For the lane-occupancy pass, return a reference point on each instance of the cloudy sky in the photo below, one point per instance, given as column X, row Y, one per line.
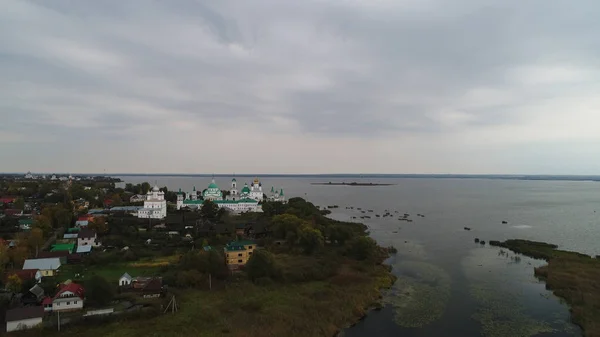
column 311, row 86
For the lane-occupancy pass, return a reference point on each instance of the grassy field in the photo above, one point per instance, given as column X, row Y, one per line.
column 242, row 309
column 113, row 272
column 572, row 276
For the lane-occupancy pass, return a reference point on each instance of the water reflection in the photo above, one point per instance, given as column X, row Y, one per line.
column 510, row 301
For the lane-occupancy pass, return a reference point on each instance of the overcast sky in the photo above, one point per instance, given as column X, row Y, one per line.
column 311, row 86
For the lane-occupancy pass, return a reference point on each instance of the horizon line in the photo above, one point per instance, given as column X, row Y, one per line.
column 306, row 174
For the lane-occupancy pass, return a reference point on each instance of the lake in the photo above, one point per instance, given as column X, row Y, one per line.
column 449, row 285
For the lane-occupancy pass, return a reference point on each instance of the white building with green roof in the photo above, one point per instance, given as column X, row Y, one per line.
column 235, row 202
column 212, row 192
column 276, row 195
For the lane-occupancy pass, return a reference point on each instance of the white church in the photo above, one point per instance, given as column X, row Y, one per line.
column 246, row 200
column 155, row 205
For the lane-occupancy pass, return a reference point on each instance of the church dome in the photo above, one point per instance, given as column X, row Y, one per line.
column 213, row 185
column 245, row 189
column 155, row 188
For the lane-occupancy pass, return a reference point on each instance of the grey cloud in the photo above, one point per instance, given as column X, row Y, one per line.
column 323, row 69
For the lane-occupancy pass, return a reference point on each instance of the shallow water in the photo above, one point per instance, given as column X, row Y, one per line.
column 448, row 285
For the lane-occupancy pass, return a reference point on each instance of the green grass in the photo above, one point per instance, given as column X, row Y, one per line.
column 572, row 276
column 111, row 273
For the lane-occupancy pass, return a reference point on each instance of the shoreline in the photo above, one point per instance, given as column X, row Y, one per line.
column 571, row 276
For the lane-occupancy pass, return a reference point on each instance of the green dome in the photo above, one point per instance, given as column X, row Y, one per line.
column 245, row 189
column 213, row 185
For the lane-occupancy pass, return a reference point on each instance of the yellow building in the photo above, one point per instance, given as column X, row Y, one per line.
column 237, row 253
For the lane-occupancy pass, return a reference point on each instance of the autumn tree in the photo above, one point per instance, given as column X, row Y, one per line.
column 35, row 240
column 20, row 252
column 99, row 225
column 14, row 283
column 43, row 223
column 4, row 258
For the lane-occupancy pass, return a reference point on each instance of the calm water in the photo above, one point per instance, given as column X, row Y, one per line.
column 448, row 285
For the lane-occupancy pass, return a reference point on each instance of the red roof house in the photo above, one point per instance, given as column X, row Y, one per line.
column 86, row 217
column 27, row 274
column 47, row 304
column 70, row 297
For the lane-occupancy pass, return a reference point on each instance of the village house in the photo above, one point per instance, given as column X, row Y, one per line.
column 147, row 287
column 23, row 318
column 47, row 267
column 87, row 237
column 61, row 254
column 70, row 297
column 25, row 224
column 237, row 253
column 69, row 247
column 27, row 274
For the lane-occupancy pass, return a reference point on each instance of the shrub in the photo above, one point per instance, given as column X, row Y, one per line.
column 262, row 264
column 98, row 290
column 362, row 248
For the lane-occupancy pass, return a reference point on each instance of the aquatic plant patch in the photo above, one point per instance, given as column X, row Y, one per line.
column 420, row 295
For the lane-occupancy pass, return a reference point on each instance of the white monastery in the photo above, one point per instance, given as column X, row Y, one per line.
column 246, row 200
column 155, row 205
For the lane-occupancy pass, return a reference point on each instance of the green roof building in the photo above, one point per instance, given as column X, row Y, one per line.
column 63, row 247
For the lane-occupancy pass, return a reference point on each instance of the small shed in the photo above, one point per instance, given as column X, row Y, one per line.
column 125, row 280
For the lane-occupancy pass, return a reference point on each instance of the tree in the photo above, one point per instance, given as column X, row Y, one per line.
column 18, row 254
column 209, row 210
column 58, row 215
column 99, row 225
column 44, row 224
column 98, row 290
column 35, row 239
column 310, row 239
column 272, row 208
column 262, row 264
column 116, row 199
column 4, row 258
column 339, row 234
column 362, row 248
column 286, row 226
column 145, row 187
column 13, row 283
column 19, row 203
